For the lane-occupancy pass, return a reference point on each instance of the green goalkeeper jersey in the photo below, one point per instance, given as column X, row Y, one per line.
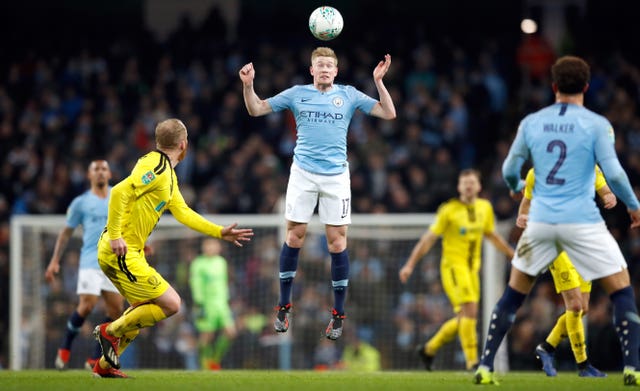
column 209, row 280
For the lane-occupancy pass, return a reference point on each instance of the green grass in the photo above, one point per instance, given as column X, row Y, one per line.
column 158, row 380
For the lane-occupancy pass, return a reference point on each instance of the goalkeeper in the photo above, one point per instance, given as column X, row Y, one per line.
column 209, row 283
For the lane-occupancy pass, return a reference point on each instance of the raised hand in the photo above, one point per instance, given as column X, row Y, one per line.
column 247, row 73
column 382, row 67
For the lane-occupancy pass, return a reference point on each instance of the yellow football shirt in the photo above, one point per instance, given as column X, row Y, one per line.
column 531, row 179
column 462, row 227
column 138, row 201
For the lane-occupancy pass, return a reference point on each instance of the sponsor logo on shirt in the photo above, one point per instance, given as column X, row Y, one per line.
column 160, row 206
column 320, row 116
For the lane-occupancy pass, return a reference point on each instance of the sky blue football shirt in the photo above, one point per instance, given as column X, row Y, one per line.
column 90, row 211
column 322, row 121
column 564, row 142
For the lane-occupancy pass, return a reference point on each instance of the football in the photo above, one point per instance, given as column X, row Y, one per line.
column 325, row 23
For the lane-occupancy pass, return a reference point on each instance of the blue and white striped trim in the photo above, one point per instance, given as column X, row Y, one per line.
column 284, row 275
column 340, row 283
column 71, row 328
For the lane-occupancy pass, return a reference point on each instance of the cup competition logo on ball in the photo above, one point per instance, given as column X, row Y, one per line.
column 325, row 23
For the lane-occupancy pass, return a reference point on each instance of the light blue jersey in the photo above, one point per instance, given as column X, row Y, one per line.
column 90, row 211
column 564, row 142
column 322, row 121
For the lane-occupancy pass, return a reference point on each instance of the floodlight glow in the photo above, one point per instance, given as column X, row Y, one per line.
column 528, row 26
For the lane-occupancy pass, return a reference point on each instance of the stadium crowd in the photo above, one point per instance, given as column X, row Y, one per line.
column 458, row 106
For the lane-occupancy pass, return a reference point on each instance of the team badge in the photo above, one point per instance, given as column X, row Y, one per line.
column 153, row 281
column 148, row 177
column 337, row 101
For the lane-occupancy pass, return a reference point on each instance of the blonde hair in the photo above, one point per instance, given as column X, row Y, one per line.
column 169, row 133
column 324, row 52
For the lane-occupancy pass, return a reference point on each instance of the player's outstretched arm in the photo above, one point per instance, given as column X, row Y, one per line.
column 385, row 108
column 381, row 69
column 255, row 106
column 195, row 221
column 500, row 243
column 419, row 250
column 61, row 244
column 236, row 235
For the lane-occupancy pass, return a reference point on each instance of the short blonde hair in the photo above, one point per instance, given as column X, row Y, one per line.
column 324, row 52
column 169, row 133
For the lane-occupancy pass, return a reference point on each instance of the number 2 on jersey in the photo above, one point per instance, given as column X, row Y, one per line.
column 551, row 178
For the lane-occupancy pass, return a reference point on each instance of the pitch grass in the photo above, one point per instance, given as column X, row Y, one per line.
column 159, row 380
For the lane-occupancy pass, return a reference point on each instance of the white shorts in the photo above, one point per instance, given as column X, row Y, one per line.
column 93, row 282
column 332, row 194
column 591, row 247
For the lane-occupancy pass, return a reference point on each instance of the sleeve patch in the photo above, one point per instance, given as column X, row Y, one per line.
column 611, row 134
column 148, row 177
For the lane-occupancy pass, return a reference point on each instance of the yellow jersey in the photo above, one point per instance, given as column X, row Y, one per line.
column 138, row 201
column 531, row 179
column 462, row 228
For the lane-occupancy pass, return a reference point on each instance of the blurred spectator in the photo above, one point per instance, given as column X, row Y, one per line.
column 535, row 56
column 359, row 355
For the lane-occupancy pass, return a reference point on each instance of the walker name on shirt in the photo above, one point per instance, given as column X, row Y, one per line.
column 320, row 116
column 558, row 128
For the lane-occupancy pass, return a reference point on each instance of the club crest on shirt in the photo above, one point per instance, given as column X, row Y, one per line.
column 148, row 177
column 337, row 101
column 153, row 281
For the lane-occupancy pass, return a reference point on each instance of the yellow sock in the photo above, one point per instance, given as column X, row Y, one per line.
column 135, row 318
column 103, row 363
column 559, row 331
column 469, row 340
column 126, row 339
column 575, row 329
column 446, row 333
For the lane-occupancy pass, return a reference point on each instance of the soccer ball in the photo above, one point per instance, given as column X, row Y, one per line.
column 325, row 23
